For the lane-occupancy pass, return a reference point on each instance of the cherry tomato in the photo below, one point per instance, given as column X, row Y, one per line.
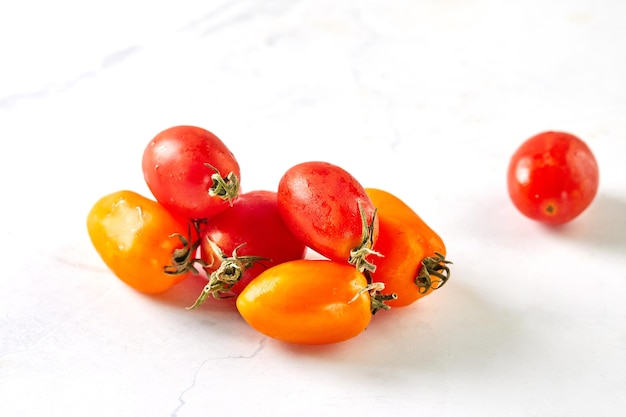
column 307, row 302
column 243, row 241
column 328, row 209
column 553, row 177
column 138, row 239
column 191, row 172
column 413, row 260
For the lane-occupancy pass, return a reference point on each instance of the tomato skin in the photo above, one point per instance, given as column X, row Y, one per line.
column 552, row 177
column 255, row 223
column 319, row 203
column 175, row 170
column 307, row 302
column 404, row 241
column 132, row 235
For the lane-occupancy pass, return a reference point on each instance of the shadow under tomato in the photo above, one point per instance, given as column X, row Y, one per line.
column 603, row 224
column 458, row 330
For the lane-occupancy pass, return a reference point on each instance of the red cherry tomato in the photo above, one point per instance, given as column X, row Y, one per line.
column 328, row 209
column 139, row 240
column 307, row 302
column 191, row 172
column 553, row 177
column 243, row 241
column 413, row 260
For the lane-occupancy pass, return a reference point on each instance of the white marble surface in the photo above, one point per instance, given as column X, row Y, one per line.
column 426, row 98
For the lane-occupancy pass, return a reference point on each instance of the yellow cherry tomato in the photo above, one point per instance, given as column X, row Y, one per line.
column 308, row 302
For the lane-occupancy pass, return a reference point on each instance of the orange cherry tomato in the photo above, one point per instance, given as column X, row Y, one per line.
column 413, row 260
column 137, row 238
column 308, row 302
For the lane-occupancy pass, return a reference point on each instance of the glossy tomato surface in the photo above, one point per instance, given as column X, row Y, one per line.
column 191, row 172
column 133, row 236
column 409, row 247
column 307, row 302
column 553, row 177
column 253, row 227
column 326, row 207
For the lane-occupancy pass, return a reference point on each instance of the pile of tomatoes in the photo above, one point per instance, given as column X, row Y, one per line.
column 374, row 251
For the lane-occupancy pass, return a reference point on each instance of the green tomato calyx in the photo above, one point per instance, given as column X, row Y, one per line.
column 433, row 266
column 377, row 299
column 225, row 187
column 229, row 272
column 183, row 258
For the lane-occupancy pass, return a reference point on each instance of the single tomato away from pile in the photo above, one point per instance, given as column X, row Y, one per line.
column 553, row 177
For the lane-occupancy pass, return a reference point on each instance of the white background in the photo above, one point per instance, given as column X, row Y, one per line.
column 427, row 99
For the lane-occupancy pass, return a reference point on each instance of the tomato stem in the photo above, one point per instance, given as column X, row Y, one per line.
column 225, row 187
column 229, row 272
column 183, row 258
column 377, row 300
column 371, row 287
column 359, row 254
column 433, row 266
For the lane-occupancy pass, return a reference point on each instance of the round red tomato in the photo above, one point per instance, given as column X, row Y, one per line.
column 329, row 210
column 139, row 240
column 308, row 302
column 243, row 241
column 553, row 177
column 191, row 172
